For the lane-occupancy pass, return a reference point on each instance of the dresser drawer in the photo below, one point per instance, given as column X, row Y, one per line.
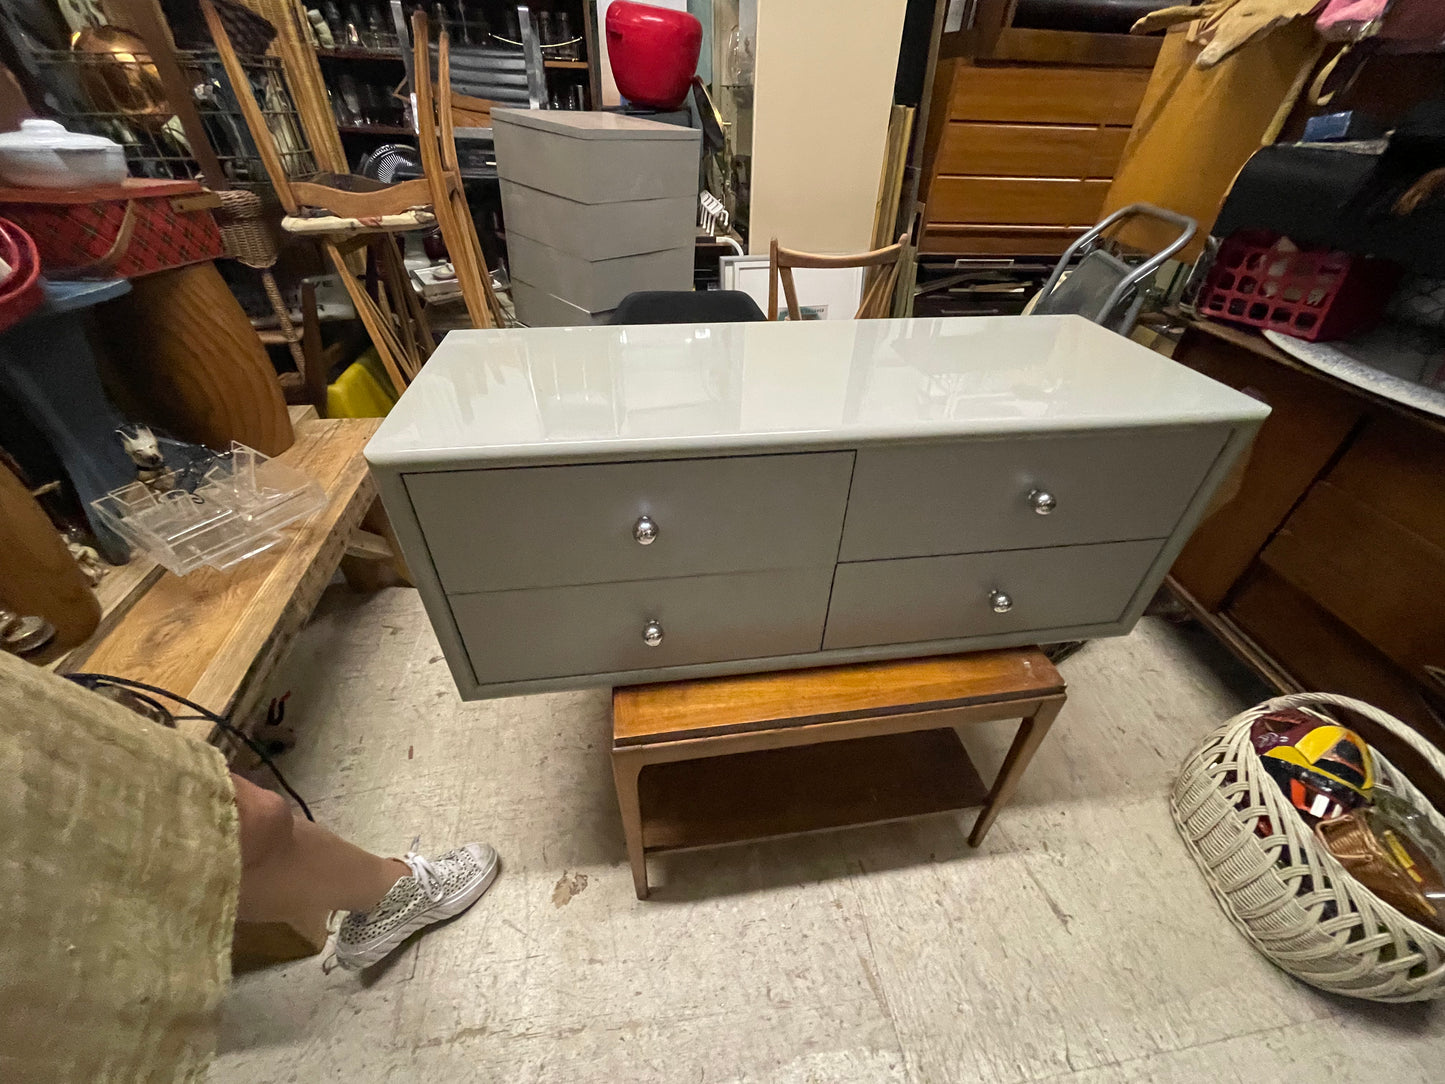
column 1039, row 201
column 1032, row 94
column 600, row 628
column 1029, row 150
column 491, row 530
column 920, row 500
column 948, row 598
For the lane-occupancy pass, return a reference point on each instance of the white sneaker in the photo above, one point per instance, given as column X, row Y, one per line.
column 438, row 888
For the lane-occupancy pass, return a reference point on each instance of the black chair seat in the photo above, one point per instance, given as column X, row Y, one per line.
column 686, row 307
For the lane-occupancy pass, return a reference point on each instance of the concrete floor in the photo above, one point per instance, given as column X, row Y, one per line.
column 1078, row 944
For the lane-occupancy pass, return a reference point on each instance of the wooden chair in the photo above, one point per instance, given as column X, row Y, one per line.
column 877, row 299
column 436, row 114
column 348, row 215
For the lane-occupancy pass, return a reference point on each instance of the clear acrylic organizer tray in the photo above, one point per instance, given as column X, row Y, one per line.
column 236, row 511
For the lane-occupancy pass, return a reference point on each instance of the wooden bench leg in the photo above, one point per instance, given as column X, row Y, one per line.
column 626, row 767
column 373, row 557
column 1031, row 734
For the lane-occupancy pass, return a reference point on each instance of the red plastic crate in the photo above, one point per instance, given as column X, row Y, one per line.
column 1312, row 294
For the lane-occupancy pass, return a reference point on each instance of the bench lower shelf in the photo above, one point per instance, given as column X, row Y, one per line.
column 743, row 797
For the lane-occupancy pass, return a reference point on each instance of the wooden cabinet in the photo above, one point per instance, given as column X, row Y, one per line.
column 1326, row 567
column 1024, row 155
column 1308, row 423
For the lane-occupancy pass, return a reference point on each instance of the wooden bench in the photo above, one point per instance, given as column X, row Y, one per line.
column 727, row 760
column 215, row 637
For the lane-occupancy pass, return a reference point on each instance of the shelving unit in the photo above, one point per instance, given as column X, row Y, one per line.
column 363, row 79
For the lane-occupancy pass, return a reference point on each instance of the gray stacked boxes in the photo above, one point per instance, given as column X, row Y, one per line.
column 597, row 205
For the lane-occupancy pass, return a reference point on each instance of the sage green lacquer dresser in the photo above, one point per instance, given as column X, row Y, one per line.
column 614, row 505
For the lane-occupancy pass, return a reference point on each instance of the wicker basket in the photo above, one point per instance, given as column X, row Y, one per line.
column 1285, row 891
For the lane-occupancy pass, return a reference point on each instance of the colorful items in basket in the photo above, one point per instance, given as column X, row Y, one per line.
column 1394, row 852
column 1327, row 772
column 1323, row 768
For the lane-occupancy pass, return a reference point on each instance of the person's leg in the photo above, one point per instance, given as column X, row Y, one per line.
column 291, row 867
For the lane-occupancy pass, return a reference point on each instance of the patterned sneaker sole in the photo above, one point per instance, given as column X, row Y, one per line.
column 374, row 951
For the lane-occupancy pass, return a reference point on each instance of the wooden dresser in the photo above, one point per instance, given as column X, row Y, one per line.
column 1326, row 568
column 617, row 505
column 1024, row 155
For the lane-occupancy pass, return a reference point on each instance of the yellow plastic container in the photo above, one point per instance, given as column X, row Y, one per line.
column 358, row 393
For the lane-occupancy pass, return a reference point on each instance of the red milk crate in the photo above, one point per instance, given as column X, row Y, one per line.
column 1313, row 294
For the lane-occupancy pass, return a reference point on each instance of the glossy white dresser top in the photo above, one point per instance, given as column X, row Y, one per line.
column 570, row 394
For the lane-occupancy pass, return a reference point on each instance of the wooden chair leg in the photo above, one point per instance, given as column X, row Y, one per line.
column 490, row 313
column 626, row 767
column 464, row 257
column 469, row 224
column 1031, row 734
column 314, row 374
column 386, row 346
column 415, row 329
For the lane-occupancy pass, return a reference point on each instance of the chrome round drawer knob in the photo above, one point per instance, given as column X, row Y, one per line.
column 652, row 634
column 1001, row 602
column 645, row 531
column 1043, row 503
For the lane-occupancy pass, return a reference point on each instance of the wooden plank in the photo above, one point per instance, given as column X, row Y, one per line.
column 1309, row 424
column 1398, row 469
column 1036, row 95
column 689, row 709
column 122, row 586
column 302, row 412
column 213, row 635
column 1379, row 578
column 368, row 546
column 1044, row 201
column 776, row 792
column 890, row 183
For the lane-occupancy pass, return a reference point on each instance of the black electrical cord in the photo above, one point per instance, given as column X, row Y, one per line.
column 139, row 688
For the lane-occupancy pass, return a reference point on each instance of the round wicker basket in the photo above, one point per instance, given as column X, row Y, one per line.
column 1284, row 890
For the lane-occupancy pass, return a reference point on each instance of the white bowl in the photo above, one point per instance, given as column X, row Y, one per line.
column 44, row 155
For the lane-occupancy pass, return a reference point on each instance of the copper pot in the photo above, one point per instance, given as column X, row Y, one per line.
column 119, row 77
